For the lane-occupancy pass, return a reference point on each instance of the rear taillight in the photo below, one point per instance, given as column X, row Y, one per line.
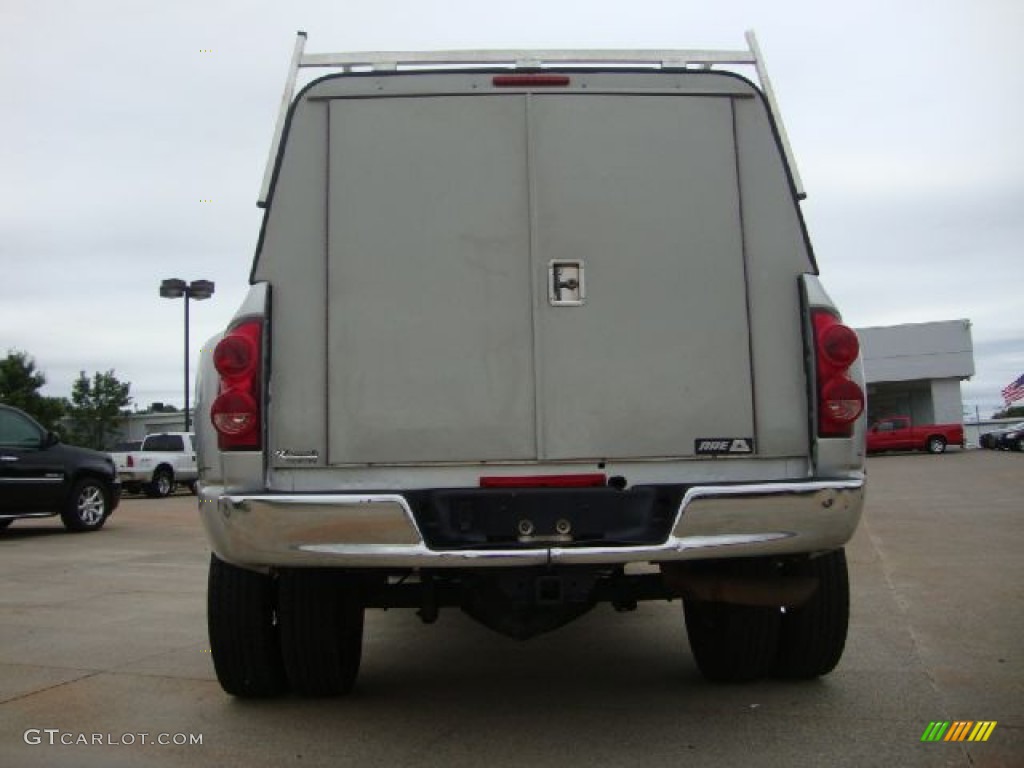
column 236, row 411
column 840, row 399
column 130, row 462
column 236, row 354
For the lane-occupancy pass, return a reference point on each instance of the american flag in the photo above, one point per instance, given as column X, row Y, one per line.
column 1014, row 390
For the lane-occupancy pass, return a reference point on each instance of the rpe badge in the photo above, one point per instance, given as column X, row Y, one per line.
column 723, row 446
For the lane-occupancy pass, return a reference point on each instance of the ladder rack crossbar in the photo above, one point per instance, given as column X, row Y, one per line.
column 392, row 59
column 387, row 61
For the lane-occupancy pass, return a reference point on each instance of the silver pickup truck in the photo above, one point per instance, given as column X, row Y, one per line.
column 529, row 332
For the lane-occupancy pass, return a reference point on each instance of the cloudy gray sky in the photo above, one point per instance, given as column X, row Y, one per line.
column 905, row 117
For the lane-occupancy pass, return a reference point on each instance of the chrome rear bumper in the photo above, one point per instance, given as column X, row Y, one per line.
column 379, row 531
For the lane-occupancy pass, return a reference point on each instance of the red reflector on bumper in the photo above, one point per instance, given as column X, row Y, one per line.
column 545, row 481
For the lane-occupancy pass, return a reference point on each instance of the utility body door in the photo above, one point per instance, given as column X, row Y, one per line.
column 534, row 277
column 641, row 191
column 429, row 327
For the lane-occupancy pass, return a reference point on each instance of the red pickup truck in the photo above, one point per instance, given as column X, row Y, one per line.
column 897, row 433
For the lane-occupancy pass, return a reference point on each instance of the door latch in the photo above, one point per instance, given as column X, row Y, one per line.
column 565, row 283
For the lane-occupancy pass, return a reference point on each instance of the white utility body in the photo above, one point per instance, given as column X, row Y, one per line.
column 519, row 320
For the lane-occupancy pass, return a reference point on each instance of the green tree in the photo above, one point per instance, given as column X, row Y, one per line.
column 1013, row 412
column 20, row 383
column 96, row 409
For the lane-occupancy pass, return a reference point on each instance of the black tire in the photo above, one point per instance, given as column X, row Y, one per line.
column 1019, row 445
column 813, row 636
column 5, row 523
column 936, row 444
column 321, row 622
column 243, row 639
column 161, row 485
column 87, row 507
column 193, row 488
column 733, row 643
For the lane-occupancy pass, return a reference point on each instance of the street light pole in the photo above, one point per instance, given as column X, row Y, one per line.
column 187, row 410
column 174, row 288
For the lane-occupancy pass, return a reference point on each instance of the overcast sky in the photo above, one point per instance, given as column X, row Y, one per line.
column 905, row 118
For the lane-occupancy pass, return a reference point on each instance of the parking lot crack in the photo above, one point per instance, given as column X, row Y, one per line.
column 37, row 691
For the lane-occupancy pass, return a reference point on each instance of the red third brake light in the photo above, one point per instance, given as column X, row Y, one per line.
column 236, row 411
column 522, row 81
column 840, row 399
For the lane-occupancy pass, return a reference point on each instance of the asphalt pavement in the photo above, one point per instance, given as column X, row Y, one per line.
column 104, row 657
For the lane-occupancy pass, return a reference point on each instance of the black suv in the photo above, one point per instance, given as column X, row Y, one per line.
column 41, row 477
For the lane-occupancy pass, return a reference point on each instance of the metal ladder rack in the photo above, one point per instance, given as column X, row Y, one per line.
column 390, row 61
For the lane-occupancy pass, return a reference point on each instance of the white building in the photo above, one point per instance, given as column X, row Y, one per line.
column 916, row 369
column 137, row 425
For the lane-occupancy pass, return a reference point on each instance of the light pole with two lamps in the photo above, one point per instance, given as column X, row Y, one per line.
column 174, row 288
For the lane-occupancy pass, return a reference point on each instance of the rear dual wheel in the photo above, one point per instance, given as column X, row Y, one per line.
column 243, row 636
column 734, row 643
column 813, row 635
column 739, row 643
column 302, row 630
column 321, row 625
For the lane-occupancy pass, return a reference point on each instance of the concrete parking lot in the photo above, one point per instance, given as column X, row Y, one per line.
column 103, row 639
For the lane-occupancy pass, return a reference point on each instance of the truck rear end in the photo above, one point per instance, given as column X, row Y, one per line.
column 524, row 340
